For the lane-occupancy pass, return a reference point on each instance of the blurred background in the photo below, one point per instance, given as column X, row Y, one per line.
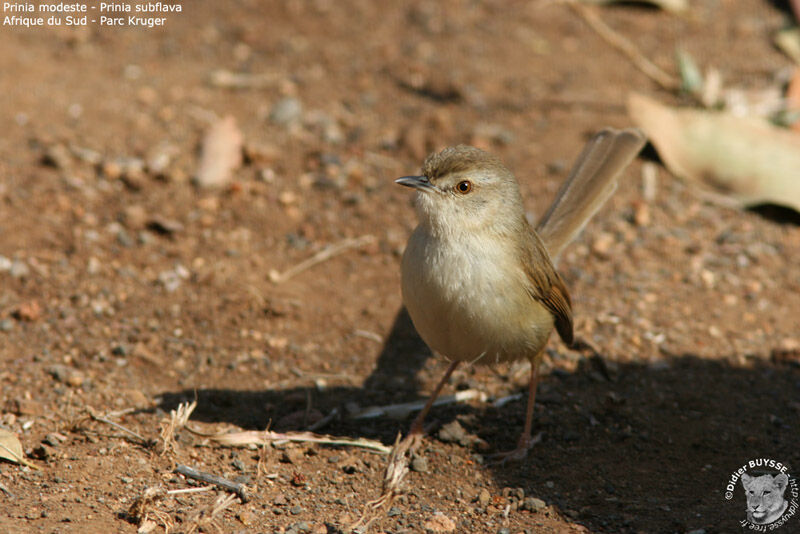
column 206, row 210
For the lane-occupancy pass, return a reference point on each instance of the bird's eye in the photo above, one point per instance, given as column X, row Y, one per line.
column 464, row 187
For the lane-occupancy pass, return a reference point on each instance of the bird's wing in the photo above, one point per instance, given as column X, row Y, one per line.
column 546, row 286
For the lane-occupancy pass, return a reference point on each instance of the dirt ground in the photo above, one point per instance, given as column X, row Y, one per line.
column 126, row 289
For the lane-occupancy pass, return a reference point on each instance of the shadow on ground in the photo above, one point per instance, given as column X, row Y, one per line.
column 649, row 445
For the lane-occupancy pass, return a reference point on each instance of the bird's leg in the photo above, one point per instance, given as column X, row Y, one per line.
column 417, row 427
column 525, row 440
column 403, row 450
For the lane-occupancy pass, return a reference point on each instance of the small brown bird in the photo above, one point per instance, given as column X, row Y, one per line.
column 478, row 281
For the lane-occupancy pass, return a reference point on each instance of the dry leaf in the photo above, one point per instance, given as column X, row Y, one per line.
column 746, row 158
column 11, row 449
column 221, row 154
column 788, row 41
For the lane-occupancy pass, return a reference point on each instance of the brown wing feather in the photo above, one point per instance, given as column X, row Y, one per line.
column 546, row 286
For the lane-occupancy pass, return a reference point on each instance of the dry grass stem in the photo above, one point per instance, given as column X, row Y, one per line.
column 206, row 517
column 255, row 437
column 399, row 411
column 624, row 46
column 177, row 420
column 323, row 255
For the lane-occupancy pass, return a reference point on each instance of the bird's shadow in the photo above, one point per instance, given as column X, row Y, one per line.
column 648, row 447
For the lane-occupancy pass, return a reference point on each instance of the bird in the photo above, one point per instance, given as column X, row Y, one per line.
column 478, row 280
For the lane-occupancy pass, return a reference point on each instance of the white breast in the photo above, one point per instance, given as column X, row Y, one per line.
column 468, row 302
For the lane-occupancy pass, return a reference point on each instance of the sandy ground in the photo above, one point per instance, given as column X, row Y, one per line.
column 127, row 290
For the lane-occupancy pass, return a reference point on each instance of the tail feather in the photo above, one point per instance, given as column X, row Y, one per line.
column 592, row 181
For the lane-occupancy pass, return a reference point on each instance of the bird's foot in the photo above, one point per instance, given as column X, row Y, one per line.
column 517, row 455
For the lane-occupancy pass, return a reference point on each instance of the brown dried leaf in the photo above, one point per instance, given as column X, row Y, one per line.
column 748, row 159
column 11, row 449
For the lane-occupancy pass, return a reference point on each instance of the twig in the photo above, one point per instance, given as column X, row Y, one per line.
column 324, row 421
column 323, row 255
column 242, row 80
column 502, row 401
column 190, row 490
column 623, row 45
column 208, row 478
column 233, row 439
column 398, row 411
column 101, row 419
column 6, row 491
column 206, row 517
column 393, row 477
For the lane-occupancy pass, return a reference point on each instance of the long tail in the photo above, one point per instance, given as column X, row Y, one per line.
column 592, row 181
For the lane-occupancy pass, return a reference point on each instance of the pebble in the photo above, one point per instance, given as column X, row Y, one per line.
column 5, row 264
column 19, row 269
column 483, row 498
column 297, row 528
column 66, row 375
column 28, row 311
column 602, row 243
column 419, row 464
column 453, row 432
column 58, row 156
column 286, row 111
column 533, row 504
column 6, row 325
column 440, row 523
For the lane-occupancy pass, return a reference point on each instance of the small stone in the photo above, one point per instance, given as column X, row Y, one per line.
column 641, row 214
column 67, row 375
column 246, row 517
column 43, row 452
column 533, row 504
column 19, row 269
column 453, row 432
column 292, row 456
column 483, row 498
column 164, row 226
column 239, row 464
column 6, row 325
column 419, row 464
column 286, row 111
column 296, row 510
column 58, row 156
column 602, row 244
column 28, row 311
column 53, row 439
column 440, row 523
column 261, row 153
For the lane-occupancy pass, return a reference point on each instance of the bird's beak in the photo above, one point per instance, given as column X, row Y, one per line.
column 417, row 182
